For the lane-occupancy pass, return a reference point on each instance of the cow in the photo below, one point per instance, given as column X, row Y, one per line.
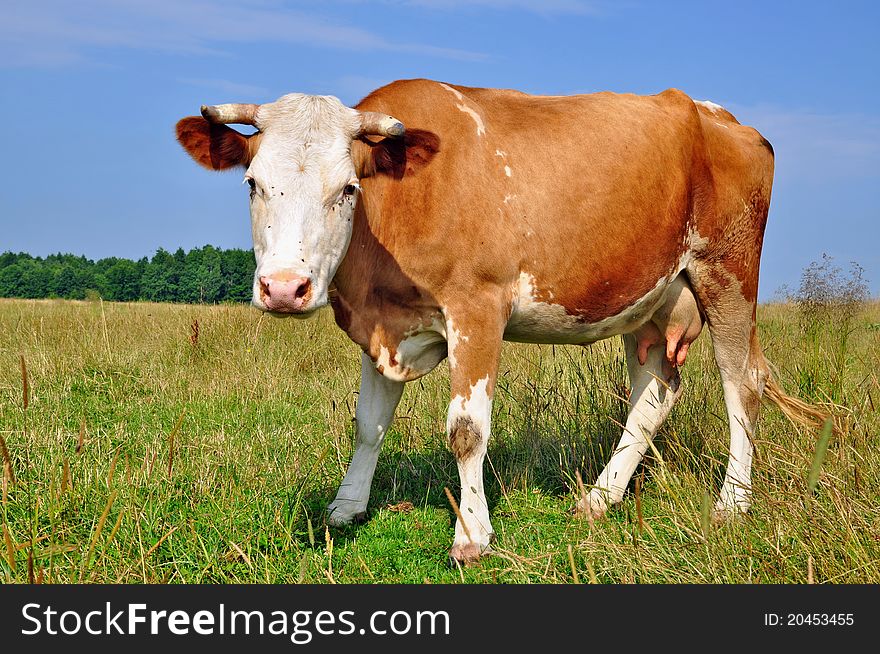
column 439, row 220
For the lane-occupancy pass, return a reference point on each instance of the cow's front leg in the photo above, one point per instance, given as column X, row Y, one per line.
column 377, row 401
column 474, row 349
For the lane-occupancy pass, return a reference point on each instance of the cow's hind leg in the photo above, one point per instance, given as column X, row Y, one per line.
column 655, row 389
column 377, row 401
column 744, row 374
column 730, row 315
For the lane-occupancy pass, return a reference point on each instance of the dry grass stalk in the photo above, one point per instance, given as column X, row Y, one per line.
column 65, row 477
column 171, row 436
column 7, row 462
column 638, row 497
column 97, row 534
column 303, row 563
column 115, row 527
column 311, row 532
column 458, row 513
column 104, row 327
column 329, row 551
column 241, row 553
column 592, row 573
column 80, row 441
column 30, row 543
column 194, row 333
column 364, row 565
column 10, row 548
column 706, row 516
column 25, row 387
column 574, row 572
column 109, row 540
column 112, row 469
column 160, row 541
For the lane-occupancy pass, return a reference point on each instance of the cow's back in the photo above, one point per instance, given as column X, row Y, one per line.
column 588, row 195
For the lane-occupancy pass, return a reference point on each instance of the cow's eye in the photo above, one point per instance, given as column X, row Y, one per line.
column 350, row 189
column 251, row 183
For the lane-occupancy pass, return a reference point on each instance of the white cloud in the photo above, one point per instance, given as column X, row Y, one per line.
column 57, row 32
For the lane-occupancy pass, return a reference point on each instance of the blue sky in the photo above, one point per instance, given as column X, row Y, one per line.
column 91, row 91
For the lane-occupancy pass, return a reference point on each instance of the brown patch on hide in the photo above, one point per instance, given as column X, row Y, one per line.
column 464, row 437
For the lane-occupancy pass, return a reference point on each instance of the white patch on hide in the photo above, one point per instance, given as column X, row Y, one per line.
column 477, row 407
column 711, row 106
column 453, row 338
column 534, row 321
column 481, row 128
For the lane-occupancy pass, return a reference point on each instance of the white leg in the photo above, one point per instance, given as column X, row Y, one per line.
column 377, row 401
column 651, row 400
column 474, row 336
column 737, row 489
column 468, row 426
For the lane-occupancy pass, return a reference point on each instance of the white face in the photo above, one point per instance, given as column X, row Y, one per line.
column 303, row 194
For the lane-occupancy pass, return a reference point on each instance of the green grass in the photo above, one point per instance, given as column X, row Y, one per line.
column 265, row 432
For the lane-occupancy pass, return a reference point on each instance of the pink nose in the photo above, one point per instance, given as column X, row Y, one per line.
column 285, row 293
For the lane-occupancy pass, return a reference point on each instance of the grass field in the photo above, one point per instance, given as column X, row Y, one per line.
column 143, row 454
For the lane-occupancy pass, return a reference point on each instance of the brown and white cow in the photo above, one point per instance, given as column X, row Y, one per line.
column 499, row 215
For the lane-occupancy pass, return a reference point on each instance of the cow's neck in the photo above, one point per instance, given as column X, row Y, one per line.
column 373, row 296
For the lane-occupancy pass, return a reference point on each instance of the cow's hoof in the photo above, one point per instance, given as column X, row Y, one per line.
column 466, row 554
column 337, row 517
column 723, row 513
column 592, row 506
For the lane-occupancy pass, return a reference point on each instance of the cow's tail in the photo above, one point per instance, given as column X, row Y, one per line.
column 809, row 416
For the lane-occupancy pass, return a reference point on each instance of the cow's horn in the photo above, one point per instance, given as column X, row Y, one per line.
column 376, row 124
column 242, row 114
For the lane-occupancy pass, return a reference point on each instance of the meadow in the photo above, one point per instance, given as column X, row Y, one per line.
column 154, row 443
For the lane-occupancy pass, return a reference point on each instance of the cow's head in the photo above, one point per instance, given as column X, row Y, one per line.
column 303, row 186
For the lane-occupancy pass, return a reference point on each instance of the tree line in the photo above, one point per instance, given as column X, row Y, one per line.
column 206, row 274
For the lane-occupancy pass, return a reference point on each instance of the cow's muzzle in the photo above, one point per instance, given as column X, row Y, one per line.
column 285, row 293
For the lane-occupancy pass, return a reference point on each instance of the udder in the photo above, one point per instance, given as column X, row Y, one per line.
column 675, row 325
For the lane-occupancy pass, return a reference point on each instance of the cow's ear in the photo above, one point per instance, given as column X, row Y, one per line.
column 397, row 157
column 214, row 146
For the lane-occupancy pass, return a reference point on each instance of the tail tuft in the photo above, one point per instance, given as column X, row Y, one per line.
column 797, row 411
